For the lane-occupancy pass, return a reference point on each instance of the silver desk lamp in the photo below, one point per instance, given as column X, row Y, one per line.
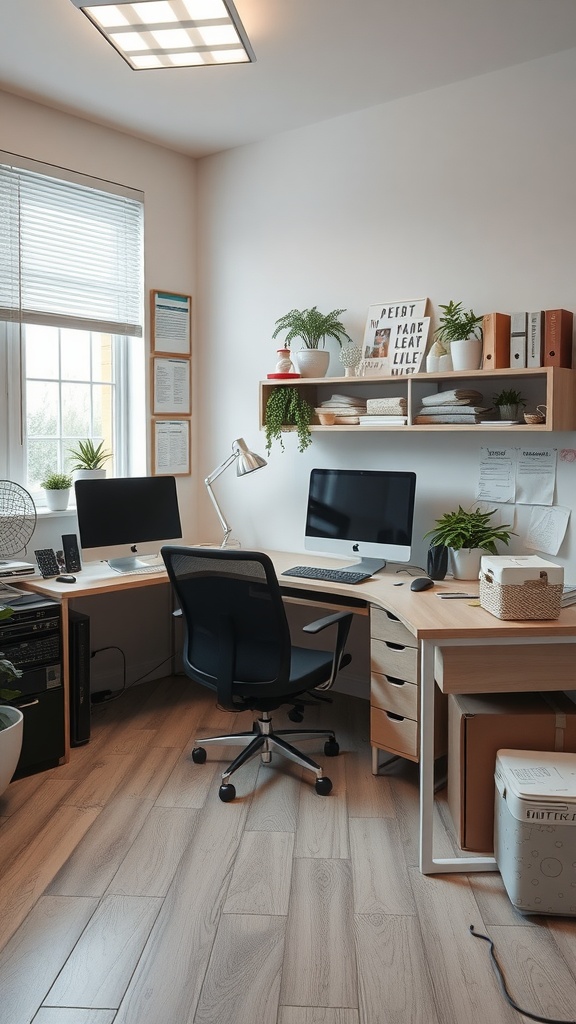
column 246, row 462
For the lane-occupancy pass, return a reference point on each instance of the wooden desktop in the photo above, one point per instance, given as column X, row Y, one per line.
column 455, row 643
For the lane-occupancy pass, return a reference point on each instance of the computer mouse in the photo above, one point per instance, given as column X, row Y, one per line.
column 421, row 583
column 65, row 579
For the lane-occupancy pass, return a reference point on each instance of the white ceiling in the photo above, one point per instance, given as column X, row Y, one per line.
column 315, row 60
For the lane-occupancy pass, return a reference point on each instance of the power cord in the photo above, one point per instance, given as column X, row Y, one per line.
column 502, row 983
column 105, row 696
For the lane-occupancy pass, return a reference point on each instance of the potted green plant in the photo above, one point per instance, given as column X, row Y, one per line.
column 11, row 718
column 287, row 407
column 467, row 534
column 57, row 489
column 459, row 335
column 312, row 327
column 89, row 459
column 509, row 403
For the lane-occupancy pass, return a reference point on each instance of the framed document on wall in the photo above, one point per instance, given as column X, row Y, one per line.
column 170, row 317
column 171, row 447
column 170, row 386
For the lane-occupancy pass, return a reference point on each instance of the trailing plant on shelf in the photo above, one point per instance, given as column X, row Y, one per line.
column 312, row 327
column 287, row 407
column 469, row 529
column 455, row 324
column 89, row 456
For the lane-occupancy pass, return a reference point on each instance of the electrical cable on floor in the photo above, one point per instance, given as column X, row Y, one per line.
column 105, row 696
column 502, row 983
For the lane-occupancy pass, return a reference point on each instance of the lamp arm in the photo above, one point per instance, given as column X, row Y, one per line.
column 208, row 483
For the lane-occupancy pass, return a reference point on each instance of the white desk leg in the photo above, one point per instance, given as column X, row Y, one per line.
column 429, row 865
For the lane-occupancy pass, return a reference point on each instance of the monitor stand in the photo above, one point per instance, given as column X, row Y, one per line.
column 129, row 564
column 370, row 565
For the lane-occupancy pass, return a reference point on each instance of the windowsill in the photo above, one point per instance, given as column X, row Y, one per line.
column 43, row 512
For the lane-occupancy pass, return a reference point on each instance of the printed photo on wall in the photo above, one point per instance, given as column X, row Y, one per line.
column 394, row 338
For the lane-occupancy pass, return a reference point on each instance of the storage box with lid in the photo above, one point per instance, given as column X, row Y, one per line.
column 520, row 586
column 535, row 830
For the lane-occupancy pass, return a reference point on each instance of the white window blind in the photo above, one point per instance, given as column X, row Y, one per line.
column 70, row 254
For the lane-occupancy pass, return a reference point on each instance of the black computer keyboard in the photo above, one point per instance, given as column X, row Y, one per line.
column 309, row 572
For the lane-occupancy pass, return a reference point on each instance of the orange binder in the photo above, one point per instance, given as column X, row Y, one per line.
column 558, row 325
column 496, row 335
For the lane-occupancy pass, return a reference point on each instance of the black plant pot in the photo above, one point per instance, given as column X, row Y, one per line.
column 437, row 561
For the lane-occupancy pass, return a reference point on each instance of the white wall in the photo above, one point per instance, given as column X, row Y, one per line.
column 168, row 182
column 467, row 192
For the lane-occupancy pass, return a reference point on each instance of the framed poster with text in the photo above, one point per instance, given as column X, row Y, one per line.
column 171, row 447
column 170, row 386
column 170, row 318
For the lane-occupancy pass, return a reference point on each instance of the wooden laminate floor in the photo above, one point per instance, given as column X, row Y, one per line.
column 129, row 894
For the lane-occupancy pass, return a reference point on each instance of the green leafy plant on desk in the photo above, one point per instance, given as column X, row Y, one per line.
column 469, row 529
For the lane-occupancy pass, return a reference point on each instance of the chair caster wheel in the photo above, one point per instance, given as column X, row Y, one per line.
column 295, row 715
column 199, row 755
column 323, row 786
column 331, row 748
column 227, row 792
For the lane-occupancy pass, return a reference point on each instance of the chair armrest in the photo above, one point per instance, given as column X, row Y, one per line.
column 343, row 620
column 319, row 624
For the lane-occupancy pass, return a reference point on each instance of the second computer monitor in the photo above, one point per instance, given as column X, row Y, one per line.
column 363, row 514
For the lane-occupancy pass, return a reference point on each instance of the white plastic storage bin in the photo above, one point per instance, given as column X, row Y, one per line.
column 535, row 830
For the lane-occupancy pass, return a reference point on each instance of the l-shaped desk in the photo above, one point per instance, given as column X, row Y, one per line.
column 453, row 643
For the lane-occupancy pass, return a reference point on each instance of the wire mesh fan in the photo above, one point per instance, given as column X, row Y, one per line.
column 17, row 517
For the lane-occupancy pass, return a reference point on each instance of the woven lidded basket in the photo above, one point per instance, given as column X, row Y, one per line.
column 532, row 599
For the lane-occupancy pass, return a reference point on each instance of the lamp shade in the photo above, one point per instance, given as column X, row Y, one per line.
column 246, row 462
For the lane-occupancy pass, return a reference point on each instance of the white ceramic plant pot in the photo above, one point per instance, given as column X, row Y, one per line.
column 466, row 355
column 465, row 563
column 445, row 363
column 57, row 501
column 89, row 474
column 10, row 744
column 313, row 362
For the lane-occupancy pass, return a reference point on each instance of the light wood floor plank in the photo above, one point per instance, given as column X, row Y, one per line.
column 37, row 951
column 276, row 809
column 368, row 796
column 394, row 986
column 100, row 781
column 27, row 878
column 93, row 863
column 538, row 979
column 381, row 883
column 167, row 982
column 243, row 977
column 563, row 931
column 189, row 784
column 260, row 881
column 322, row 820
column 151, row 769
column 73, row 1015
column 493, row 902
column 464, row 984
column 98, row 970
column 21, row 827
column 151, row 861
column 316, row 1015
column 320, row 907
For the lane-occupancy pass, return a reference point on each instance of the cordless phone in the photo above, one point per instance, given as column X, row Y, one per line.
column 47, row 562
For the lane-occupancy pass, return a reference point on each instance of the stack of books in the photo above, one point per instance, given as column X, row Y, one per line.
column 568, row 595
column 386, row 412
column 348, row 410
column 458, row 406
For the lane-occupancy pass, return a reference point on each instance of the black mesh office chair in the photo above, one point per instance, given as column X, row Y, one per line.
column 237, row 642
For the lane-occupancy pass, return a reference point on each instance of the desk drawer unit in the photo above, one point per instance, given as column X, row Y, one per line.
column 395, row 691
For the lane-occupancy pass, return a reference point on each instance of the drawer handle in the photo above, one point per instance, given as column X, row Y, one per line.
column 395, row 681
column 393, row 617
column 395, row 647
column 395, row 718
column 30, row 704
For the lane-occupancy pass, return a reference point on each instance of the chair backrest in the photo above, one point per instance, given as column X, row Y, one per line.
column 236, row 632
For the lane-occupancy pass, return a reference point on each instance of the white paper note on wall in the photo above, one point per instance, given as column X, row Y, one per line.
column 497, row 474
column 536, row 476
column 547, row 528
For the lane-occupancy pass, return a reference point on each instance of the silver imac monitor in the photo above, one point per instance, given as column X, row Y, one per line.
column 122, row 518
column 361, row 513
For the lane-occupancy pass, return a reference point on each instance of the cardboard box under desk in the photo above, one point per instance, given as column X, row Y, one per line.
column 480, row 726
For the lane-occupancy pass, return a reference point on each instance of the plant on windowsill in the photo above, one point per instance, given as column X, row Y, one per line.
column 57, row 489
column 11, row 718
column 509, row 402
column 312, row 327
column 286, row 407
column 89, row 459
column 469, row 532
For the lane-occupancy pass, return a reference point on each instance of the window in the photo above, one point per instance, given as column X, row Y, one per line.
column 71, row 290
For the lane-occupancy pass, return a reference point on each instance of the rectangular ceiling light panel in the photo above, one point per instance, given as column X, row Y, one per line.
column 171, row 33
